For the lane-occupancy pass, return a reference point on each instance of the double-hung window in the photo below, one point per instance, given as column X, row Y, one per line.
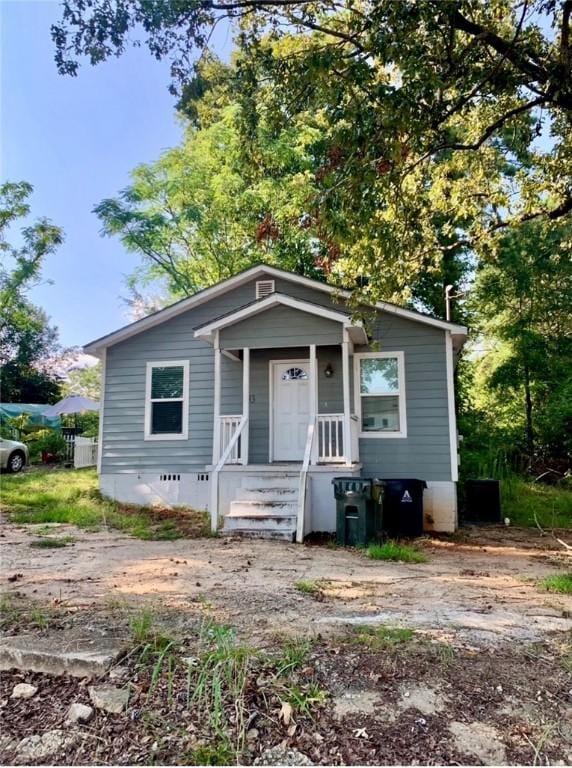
column 380, row 394
column 167, row 401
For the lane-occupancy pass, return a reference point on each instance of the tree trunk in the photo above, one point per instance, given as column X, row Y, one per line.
column 529, row 425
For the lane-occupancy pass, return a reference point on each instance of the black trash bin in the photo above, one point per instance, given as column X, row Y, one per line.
column 403, row 506
column 482, row 501
column 358, row 511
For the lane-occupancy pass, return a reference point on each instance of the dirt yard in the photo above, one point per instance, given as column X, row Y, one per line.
column 341, row 660
column 480, row 588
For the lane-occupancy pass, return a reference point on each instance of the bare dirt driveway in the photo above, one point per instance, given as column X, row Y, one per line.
column 481, row 587
column 339, row 659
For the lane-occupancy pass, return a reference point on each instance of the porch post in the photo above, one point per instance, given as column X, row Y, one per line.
column 346, row 389
column 313, row 397
column 244, row 438
column 217, row 384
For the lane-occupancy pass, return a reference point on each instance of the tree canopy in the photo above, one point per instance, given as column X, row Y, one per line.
column 26, row 337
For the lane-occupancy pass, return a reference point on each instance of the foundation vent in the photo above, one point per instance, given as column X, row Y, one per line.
column 170, row 478
column 203, row 477
column 264, row 288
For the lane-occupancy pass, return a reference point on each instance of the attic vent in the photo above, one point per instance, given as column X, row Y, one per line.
column 169, row 478
column 264, row 288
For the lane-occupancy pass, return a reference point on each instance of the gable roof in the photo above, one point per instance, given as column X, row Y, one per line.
column 97, row 345
column 208, row 330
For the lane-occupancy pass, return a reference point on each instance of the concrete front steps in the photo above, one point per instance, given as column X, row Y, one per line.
column 265, row 508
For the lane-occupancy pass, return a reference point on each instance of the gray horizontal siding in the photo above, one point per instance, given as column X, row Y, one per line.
column 424, row 453
column 281, row 327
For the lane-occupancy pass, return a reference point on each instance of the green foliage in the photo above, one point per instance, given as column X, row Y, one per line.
column 26, row 338
column 85, row 382
column 48, row 441
column 198, row 215
column 214, row 753
column 53, row 542
column 560, row 582
column 219, row 679
column 308, row 586
column 519, row 391
column 392, row 550
column 425, row 118
column 527, row 504
column 378, row 638
column 303, row 698
column 293, row 655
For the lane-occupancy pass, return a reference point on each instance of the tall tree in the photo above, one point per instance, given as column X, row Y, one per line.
column 201, row 213
column 522, row 309
column 26, row 337
column 421, row 104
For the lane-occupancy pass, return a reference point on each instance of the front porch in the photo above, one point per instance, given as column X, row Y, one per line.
column 282, row 442
column 295, row 414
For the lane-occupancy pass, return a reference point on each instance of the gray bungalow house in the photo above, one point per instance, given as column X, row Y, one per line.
column 247, row 398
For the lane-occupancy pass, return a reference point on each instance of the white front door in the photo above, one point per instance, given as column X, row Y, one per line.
column 290, row 409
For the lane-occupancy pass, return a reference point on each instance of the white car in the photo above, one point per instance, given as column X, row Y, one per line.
column 13, row 455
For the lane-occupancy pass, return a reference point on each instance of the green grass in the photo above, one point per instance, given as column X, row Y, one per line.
column 522, row 501
column 294, row 654
column 308, row 586
column 72, row 497
column 303, row 698
column 560, row 582
column 380, row 638
column 216, row 753
column 391, row 550
column 52, row 542
column 566, row 660
column 219, row 678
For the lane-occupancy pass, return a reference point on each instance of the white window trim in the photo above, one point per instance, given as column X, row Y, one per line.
column 184, row 435
column 400, row 394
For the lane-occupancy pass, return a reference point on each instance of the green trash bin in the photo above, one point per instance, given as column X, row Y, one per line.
column 358, row 511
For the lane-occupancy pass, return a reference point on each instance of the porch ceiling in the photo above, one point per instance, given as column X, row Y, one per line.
column 207, row 332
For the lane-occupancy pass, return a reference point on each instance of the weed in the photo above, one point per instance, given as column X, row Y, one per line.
column 294, row 655
column 53, row 542
column 215, row 753
column 6, row 603
column 380, row 638
column 391, row 550
column 308, row 586
column 303, row 698
column 566, row 660
column 141, row 626
column 444, row 652
column 217, row 683
column 560, row 582
column 39, row 617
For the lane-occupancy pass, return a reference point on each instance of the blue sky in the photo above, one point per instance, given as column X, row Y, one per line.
column 76, row 140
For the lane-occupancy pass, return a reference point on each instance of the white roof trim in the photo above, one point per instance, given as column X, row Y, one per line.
column 208, row 331
column 95, row 347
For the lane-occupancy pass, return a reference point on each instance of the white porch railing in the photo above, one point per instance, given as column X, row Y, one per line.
column 226, row 453
column 303, row 487
column 85, row 452
column 354, row 439
column 228, row 426
column 331, row 438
